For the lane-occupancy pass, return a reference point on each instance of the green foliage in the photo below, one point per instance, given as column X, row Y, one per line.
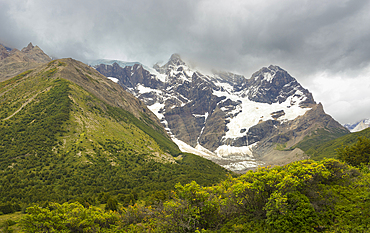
column 111, row 204
column 7, row 208
column 45, row 117
column 310, row 144
column 49, row 73
column 68, row 217
column 6, row 226
column 147, row 126
column 15, row 79
column 356, row 154
column 62, row 63
column 281, row 147
column 134, row 214
column 304, row 196
column 327, row 149
column 287, row 213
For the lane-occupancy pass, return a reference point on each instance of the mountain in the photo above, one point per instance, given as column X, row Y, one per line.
column 68, row 132
column 13, row 62
column 358, row 126
column 234, row 121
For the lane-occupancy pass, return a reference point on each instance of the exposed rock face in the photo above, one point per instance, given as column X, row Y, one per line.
column 130, row 76
column 226, row 117
column 4, row 53
column 275, row 85
column 14, row 62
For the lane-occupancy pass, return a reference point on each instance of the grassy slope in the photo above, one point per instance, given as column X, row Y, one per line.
column 328, row 149
column 46, row 156
column 319, row 136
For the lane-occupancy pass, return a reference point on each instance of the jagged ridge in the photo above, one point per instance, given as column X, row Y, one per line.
column 225, row 115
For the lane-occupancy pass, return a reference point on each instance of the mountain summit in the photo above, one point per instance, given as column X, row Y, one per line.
column 13, row 62
column 235, row 121
column 275, row 85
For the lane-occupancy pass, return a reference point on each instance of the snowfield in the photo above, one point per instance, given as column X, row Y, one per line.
column 244, row 151
column 249, row 113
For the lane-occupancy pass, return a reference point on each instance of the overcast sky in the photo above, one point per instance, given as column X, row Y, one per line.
column 325, row 45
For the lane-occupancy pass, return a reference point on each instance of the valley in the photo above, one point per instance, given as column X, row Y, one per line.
column 120, row 147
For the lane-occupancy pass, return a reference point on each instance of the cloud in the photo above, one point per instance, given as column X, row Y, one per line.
column 307, row 38
column 346, row 98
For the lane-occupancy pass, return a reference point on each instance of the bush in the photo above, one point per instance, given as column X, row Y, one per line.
column 357, row 154
column 68, row 217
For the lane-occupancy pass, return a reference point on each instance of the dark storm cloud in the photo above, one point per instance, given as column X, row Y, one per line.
column 307, row 38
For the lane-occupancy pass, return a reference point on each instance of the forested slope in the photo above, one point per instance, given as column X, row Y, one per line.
column 60, row 142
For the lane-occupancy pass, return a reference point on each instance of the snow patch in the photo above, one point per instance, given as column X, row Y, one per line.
column 240, row 166
column 225, row 150
column 159, row 76
column 113, row 79
column 142, row 89
column 199, row 150
column 225, row 86
column 155, row 108
column 268, row 77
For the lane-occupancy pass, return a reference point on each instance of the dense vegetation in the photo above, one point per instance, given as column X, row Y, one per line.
column 357, row 154
column 304, row 196
column 45, row 117
column 60, row 143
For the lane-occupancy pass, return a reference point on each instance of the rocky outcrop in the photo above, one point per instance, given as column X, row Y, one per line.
column 275, row 85
column 130, row 76
column 14, row 62
column 4, row 53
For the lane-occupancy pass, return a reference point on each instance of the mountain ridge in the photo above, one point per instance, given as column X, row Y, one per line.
column 224, row 114
column 68, row 132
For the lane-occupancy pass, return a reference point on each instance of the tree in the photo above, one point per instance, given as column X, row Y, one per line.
column 356, row 154
column 111, row 204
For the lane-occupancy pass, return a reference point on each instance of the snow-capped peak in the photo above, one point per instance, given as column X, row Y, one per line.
column 358, row 126
column 220, row 115
column 176, row 60
column 267, row 73
column 175, row 69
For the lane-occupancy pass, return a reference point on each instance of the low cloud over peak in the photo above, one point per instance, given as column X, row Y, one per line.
column 317, row 42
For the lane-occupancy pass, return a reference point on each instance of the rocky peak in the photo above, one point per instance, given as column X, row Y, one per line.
column 174, row 64
column 271, row 73
column 176, row 60
column 273, row 84
column 3, row 52
column 28, row 48
column 13, row 61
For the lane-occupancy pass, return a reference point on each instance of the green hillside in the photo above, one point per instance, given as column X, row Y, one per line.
column 61, row 142
column 327, row 149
